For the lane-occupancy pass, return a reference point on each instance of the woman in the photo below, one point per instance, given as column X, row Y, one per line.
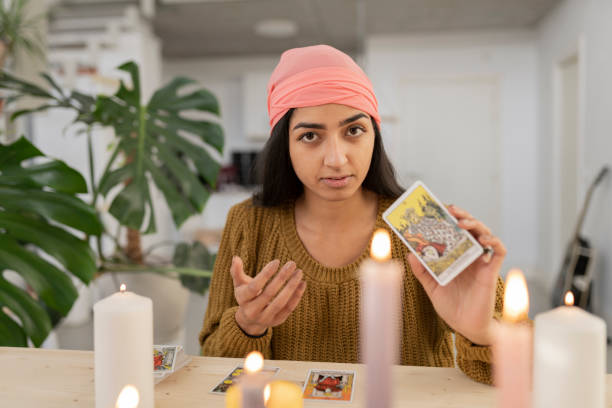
column 286, row 277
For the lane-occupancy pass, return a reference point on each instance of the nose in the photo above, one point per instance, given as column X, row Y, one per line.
column 335, row 154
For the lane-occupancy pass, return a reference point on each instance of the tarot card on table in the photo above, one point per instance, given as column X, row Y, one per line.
column 329, row 385
column 234, row 377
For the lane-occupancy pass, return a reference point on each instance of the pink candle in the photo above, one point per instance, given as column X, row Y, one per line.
column 380, row 319
column 512, row 351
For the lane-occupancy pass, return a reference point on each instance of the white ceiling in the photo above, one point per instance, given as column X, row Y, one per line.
column 191, row 28
column 199, row 28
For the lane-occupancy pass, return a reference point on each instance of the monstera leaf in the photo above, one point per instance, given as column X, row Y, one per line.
column 197, row 256
column 156, row 143
column 40, row 217
column 159, row 144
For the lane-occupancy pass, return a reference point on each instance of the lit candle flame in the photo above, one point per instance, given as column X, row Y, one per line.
column 128, row 397
column 267, row 391
column 516, row 297
column 253, row 362
column 569, row 298
column 381, row 245
column 122, row 288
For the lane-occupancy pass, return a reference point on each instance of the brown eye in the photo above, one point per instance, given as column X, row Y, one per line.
column 356, row 130
column 308, row 137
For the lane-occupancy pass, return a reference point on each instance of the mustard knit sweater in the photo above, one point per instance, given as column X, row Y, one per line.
column 325, row 324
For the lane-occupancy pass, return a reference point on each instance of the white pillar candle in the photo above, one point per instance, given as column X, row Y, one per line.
column 123, row 344
column 381, row 280
column 252, row 382
column 569, row 358
column 512, row 348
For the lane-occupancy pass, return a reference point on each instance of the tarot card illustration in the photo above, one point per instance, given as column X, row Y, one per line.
column 329, row 385
column 432, row 233
column 163, row 358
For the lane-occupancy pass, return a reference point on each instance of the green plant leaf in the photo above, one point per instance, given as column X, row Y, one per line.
column 128, row 207
column 17, row 152
column 52, row 285
column 167, row 98
column 35, row 322
column 74, row 254
column 54, row 174
column 37, row 202
column 63, row 208
column 11, row 334
column 195, row 255
column 154, row 140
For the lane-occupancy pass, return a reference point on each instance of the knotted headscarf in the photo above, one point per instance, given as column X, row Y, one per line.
column 318, row 75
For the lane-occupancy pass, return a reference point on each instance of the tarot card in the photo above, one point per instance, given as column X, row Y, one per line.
column 329, row 385
column 164, row 358
column 431, row 233
column 234, row 377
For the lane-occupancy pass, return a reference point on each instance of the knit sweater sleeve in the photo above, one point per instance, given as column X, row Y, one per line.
column 221, row 336
column 474, row 360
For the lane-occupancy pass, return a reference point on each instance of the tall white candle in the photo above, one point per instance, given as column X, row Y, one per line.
column 512, row 348
column 569, row 358
column 252, row 382
column 380, row 319
column 123, row 344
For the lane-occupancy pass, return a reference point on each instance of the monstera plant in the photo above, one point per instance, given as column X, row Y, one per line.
column 156, row 144
column 43, row 238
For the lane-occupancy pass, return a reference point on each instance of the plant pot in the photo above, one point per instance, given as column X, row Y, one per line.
column 169, row 301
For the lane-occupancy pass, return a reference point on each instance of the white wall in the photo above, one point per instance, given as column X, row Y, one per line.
column 507, row 59
column 223, row 77
column 583, row 25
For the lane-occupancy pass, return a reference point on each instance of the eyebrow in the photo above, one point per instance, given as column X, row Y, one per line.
column 320, row 126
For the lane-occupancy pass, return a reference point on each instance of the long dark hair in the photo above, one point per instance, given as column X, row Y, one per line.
column 279, row 183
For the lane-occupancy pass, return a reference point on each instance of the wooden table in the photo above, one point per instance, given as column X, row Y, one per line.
column 60, row 378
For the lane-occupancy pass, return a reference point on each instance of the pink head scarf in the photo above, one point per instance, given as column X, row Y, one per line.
column 318, row 75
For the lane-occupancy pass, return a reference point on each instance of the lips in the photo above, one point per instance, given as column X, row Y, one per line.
column 336, row 181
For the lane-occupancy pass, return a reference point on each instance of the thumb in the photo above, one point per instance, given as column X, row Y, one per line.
column 237, row 272
column 422, row 275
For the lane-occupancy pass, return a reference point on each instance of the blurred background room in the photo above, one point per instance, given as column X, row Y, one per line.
column 501, row 107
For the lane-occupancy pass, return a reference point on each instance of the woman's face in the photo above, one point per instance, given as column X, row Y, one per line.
column 331, row 149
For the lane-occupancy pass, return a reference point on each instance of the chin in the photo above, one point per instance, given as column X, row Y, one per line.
column 339, row 194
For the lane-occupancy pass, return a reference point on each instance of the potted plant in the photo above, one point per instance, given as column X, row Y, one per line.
column 156, row 145
column 40, row 214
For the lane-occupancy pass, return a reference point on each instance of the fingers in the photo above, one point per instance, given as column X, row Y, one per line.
column 283, row 297
column 499, row 250
column 237, row 272
column 419, row 271
column 287, row 272
column 458, row 212
column 252, row 287
column 272, row 304
column 291, row 304
column 468, row 222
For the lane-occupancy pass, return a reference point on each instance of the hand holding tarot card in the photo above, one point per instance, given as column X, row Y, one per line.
column 432, row 234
